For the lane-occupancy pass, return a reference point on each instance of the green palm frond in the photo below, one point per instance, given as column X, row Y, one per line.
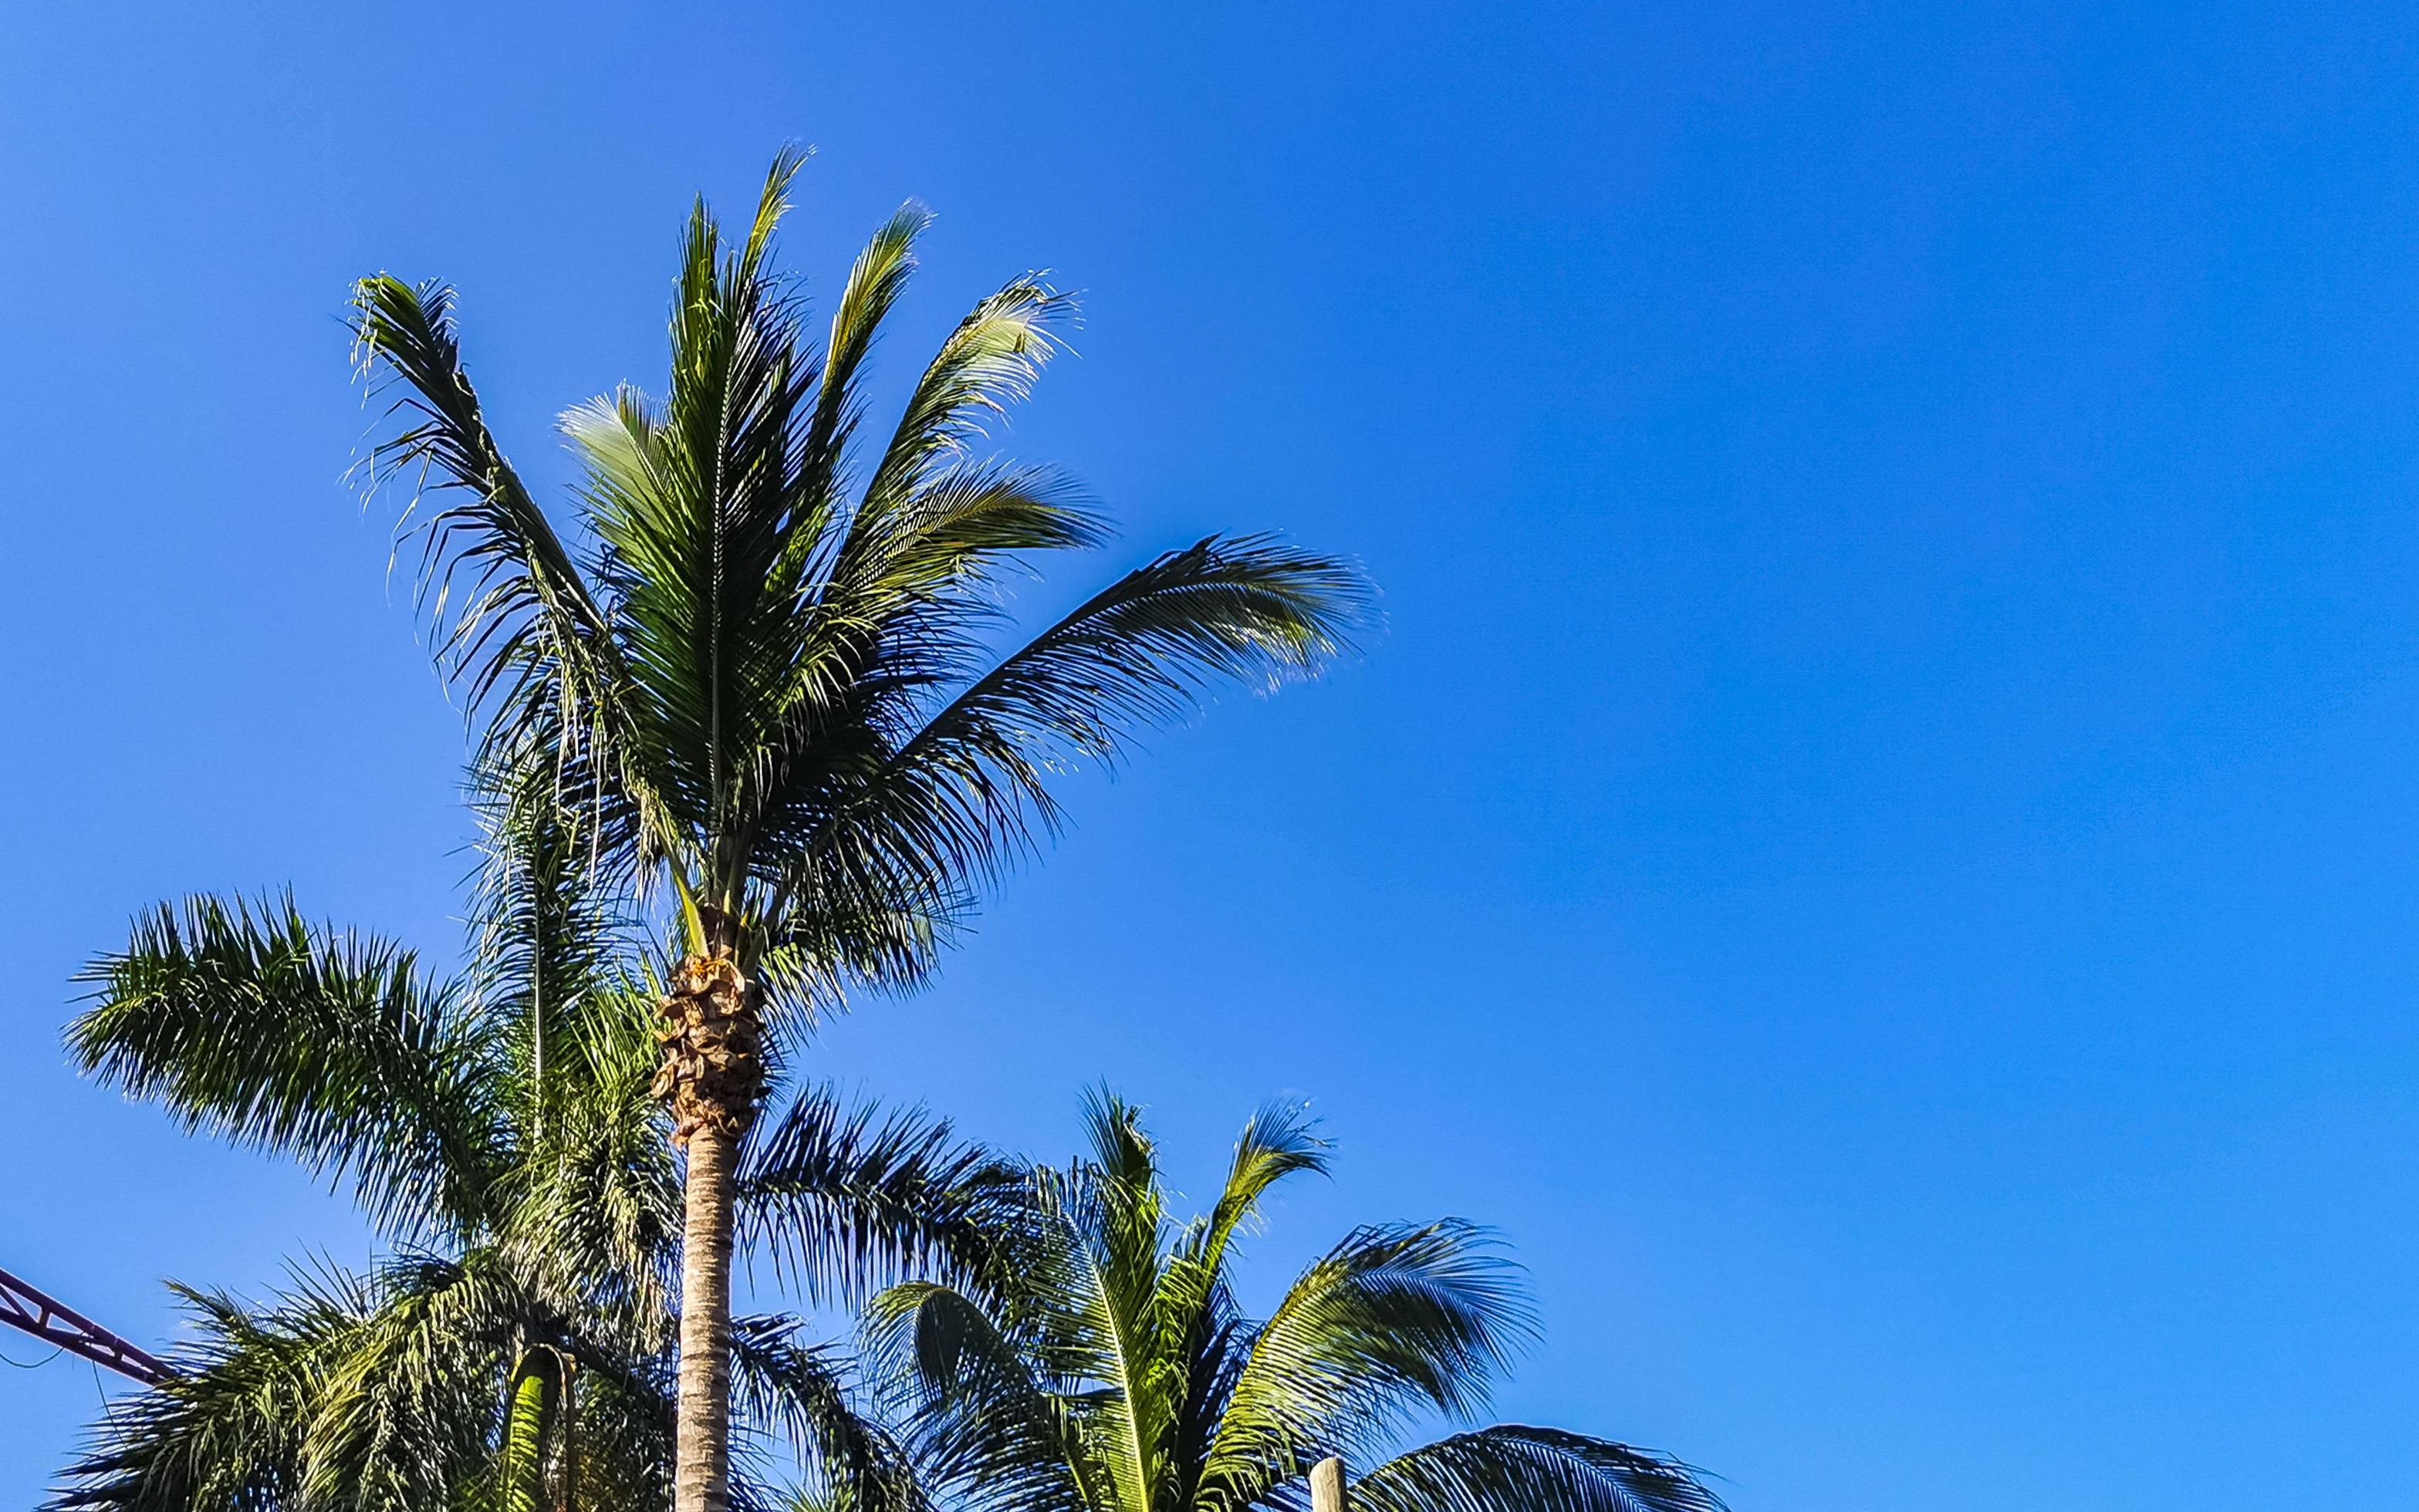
column 875, row 280
column 1394, row 1321
column 1278, row 1142
column 242, row 1019
column 960, row 795
column 844, row 1198
column 694, row 507
column 501, row 587
column 993, row 1422
column 803, row 1391
column 989, row 363
column 1516, row 1469
column 594, row 1202
column 225, row 1433
column 546, row 935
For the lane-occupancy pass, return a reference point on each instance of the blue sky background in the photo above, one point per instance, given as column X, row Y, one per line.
column 1880, row 845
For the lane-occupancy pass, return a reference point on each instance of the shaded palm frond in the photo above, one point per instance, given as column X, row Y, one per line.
column 802, row 1391
column 988, row 1412
column 842, row 1197
column 961, row 794
column 593, row 1206
column 242, row 1019
column 1514, row 1468
column 224, row 1432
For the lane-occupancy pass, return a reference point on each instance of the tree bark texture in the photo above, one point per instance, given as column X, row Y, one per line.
column 713, row 1075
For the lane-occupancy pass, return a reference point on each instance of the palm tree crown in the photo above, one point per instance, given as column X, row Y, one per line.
column 1113, row 1371
column 771, row 677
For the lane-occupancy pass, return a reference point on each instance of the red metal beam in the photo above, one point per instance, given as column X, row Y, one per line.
column 55, row 1323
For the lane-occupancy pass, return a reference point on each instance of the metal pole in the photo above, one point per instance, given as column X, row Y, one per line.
column 55, row 1323
column 1327, row 1486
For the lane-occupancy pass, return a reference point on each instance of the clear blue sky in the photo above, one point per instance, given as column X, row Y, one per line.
column 1880, row 846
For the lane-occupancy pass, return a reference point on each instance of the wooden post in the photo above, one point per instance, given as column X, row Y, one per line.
column 1327, row 1486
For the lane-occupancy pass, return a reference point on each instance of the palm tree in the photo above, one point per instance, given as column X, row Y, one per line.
column 1115, row 1372
column 760, row 659
column 515, row 1350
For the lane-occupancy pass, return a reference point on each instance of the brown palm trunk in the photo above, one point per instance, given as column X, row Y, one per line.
column 713, row 1074
column 702, row 1468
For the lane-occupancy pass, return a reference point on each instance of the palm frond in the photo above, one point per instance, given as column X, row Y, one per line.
column 962, row 793
column 875, row 280
column 991, row 1430
column 224, row 1432
column 1516, row 1469
column 803, row 1392
column 501, row 587
column 989, row 363
column 242, row 1019
column 1394, row 1321
column 1278, row 1142
column 842, row 1197
column 593, row 1204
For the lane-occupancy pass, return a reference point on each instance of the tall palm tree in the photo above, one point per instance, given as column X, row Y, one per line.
column 1115, row 1371
column 515, row 1352
column 760, row 658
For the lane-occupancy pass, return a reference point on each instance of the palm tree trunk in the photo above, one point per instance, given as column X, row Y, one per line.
column 713, row 1074
column 702, row 1472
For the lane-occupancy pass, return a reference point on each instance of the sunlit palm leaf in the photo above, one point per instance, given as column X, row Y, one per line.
column 242, row 1019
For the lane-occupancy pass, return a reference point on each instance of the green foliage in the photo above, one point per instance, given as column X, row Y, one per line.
column 1109, row 1369
column 768, row 677
column 499, row 1126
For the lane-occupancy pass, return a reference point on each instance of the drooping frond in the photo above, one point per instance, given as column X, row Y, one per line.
column 225, row 1433
column 503, row 592
column 841, row 1199
column 802, row 1392
column 242, row 1019
column 1516, row 1469
column 958, row 795
column 1392, row 1322
column 990, row 1413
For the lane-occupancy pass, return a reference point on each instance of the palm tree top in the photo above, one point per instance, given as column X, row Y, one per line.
column 759, row 647
column 1115, row 1371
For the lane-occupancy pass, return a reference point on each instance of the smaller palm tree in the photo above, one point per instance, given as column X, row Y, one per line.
column 1114, row 1371
column 516, row 1349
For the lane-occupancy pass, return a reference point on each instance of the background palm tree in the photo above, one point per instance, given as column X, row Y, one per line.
column 762, row 661
column 1115, row 1372
column 499, row 1129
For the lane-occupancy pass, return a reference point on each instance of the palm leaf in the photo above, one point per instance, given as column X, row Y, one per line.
column 1394, row 1321
column 244, row 1020
column 843, row 1198
column 1516, row 1469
